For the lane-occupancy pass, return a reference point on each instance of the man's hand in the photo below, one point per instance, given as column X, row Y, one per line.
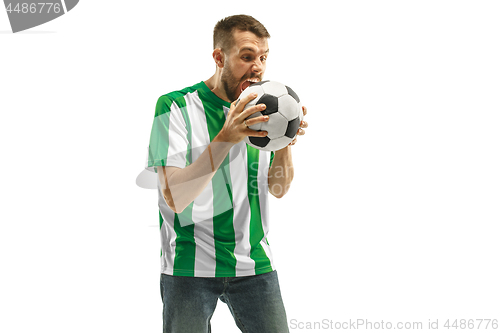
column 235, row 128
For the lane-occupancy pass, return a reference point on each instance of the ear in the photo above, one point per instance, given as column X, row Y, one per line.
column 218, row 56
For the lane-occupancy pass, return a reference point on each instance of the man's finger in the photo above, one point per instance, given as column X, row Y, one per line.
column 255, row 120
column 250, row 132
column 251, row 110
column 239, row 104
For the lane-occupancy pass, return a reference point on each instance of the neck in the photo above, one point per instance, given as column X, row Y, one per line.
column 215, row 85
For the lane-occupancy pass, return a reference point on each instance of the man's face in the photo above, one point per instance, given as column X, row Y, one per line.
column 245, row 63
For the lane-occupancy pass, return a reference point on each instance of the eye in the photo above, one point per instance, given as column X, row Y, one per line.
column 247, row 58
column 263, row 59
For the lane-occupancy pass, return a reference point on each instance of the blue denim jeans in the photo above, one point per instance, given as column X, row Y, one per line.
column 254, row 301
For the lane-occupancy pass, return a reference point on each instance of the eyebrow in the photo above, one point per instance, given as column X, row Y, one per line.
column 251, row 50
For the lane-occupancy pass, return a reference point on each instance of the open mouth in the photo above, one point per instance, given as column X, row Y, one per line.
column 248, row 82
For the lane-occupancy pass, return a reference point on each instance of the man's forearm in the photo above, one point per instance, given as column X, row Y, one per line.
column 281, row 172
column 186, row 184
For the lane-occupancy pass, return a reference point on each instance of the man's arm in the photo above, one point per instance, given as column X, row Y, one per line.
column 180, row 186
column 280, row 174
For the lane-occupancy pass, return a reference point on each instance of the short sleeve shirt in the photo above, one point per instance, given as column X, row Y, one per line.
column 223, row 232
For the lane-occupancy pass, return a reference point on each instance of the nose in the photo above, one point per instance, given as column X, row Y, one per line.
column 258, row 66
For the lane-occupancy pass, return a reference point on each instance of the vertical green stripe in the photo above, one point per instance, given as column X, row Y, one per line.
column 224, row 236
column 185, row 247
column 257, row 253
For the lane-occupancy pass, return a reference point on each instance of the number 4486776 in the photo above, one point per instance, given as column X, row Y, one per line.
column 472, row 324
column 34, row 7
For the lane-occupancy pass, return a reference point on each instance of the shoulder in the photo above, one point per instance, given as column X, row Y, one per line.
column 179, row 94
column 165, row 101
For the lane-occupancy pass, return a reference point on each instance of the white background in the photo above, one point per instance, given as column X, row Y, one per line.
column 394, row 210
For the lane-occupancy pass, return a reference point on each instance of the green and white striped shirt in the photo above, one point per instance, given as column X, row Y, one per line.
column 222, row 233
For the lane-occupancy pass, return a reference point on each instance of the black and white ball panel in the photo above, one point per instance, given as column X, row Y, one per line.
column 293, row 94
column 257, row 141
column 293, row 127
column 254, row 88
column 274, row 88
column 271, row 103
column 276, row 126
column 277, row 144
column 288, row 107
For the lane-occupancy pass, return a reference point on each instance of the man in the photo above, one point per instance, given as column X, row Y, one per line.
column 212, row 192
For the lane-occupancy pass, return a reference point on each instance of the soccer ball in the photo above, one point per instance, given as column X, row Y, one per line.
column 284, row 110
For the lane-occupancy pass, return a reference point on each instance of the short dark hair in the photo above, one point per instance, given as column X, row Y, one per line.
column 223, row 31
